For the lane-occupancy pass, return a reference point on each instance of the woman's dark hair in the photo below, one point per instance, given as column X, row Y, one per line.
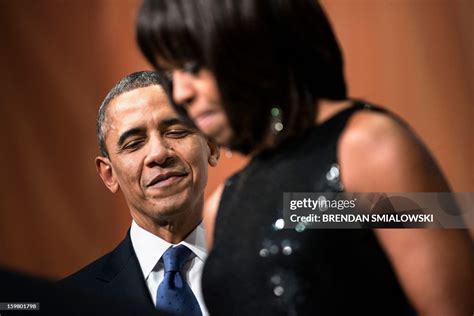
column 263, row 53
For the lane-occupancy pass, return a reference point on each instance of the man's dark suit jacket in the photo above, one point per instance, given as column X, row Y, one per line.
column 116, row 277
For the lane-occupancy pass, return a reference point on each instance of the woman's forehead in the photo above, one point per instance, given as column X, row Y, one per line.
column 165, row 63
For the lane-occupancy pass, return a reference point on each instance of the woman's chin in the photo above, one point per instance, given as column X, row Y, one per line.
column 222, row 135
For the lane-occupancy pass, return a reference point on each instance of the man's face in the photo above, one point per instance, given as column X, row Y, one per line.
column 158, row 163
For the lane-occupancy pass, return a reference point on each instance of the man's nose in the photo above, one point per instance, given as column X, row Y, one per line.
column 183, row 89
column 159, row 152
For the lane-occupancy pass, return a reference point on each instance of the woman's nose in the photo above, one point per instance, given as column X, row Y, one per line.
column 183, row 90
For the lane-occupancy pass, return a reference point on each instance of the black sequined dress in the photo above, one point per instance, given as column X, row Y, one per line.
column 257, row 269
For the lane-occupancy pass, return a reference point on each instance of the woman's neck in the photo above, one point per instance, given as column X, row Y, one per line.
column 328, row 108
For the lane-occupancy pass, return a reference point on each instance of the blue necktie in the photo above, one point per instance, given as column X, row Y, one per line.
column 174, row 296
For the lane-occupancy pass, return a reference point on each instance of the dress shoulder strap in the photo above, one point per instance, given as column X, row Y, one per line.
column 336, row 123
column 331, row 130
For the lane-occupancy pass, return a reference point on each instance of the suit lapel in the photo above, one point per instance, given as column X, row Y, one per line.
column 123, row 276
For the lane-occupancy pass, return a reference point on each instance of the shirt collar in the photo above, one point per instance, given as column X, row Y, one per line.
column 149, row 248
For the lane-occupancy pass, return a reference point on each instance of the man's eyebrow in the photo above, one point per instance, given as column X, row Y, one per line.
column 128, row 133
column 171, row 121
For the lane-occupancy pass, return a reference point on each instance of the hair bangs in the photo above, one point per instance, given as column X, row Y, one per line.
column 168, row 35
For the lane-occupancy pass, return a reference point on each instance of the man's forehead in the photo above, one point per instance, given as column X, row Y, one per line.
column 139, row 97
column 131, row 104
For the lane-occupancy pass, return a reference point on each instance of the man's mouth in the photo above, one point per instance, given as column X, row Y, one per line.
column 167, row 178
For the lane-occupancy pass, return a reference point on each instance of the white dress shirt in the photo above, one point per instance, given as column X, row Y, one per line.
column 149, row 248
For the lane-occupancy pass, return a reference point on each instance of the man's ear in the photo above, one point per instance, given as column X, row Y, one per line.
column 105, row 171
column 214, row 153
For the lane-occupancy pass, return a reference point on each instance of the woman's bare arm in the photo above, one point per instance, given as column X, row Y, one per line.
column 210, row 212
column 435, row 266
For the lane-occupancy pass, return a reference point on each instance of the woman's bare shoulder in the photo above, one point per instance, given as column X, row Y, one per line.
column 379, row 153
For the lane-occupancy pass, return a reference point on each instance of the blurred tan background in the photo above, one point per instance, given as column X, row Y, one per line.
column 58, row 59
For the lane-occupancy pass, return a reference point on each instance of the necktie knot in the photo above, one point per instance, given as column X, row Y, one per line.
column 175, row 257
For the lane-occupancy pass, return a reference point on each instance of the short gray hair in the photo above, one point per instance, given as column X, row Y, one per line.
column 140, row 79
